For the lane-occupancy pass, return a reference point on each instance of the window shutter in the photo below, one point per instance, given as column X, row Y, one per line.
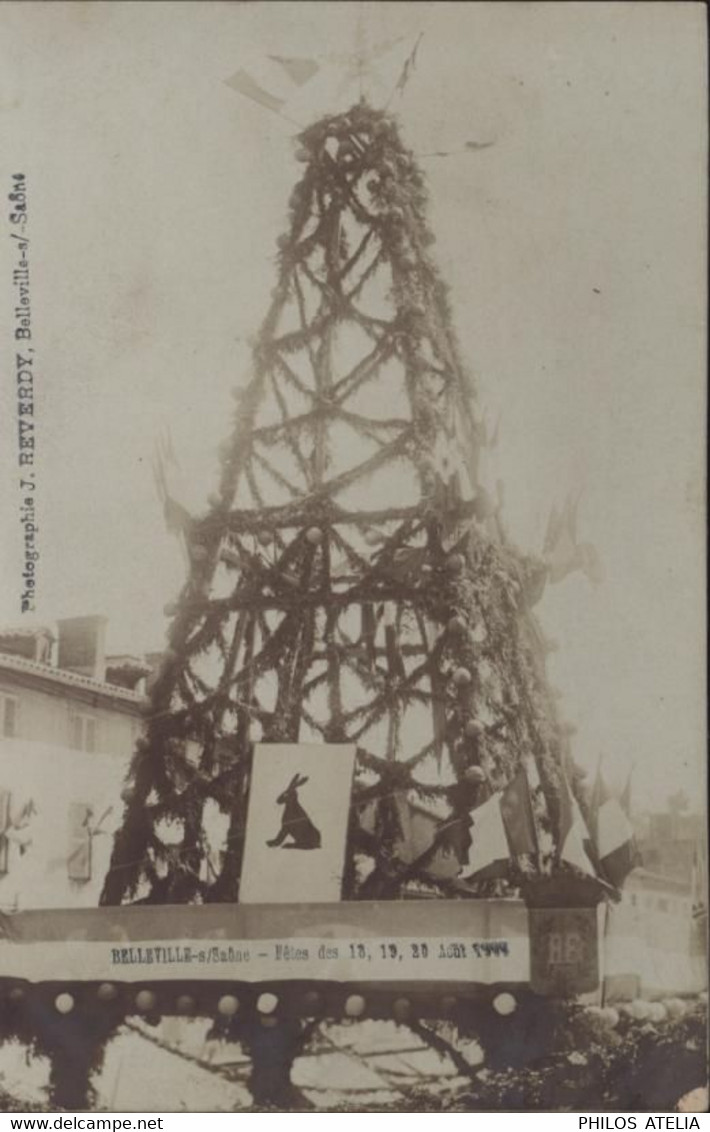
column 4, row 822
column 76, row 732
column 89, row 734
column 9, row 717
column 84, row 732
column 79, row 848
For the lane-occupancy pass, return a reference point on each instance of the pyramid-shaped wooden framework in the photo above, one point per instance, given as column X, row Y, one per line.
column 350, row 582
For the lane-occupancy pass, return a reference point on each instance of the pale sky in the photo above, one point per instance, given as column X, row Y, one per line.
column 574, row 246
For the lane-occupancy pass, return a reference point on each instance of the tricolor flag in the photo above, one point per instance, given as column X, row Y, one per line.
column 300, row 88
column 573, row 832
column 613, row 833
column 561, row 550
column 503, row 828
column 167, row 475
column 272, row 80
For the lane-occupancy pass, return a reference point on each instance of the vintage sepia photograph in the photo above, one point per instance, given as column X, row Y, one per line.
column 352, row 545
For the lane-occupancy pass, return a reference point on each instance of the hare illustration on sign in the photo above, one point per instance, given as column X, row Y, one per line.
column 295, row 822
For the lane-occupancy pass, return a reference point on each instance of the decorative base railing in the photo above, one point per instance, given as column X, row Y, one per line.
column 69, row 978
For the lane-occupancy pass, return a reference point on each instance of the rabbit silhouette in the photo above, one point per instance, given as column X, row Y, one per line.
column 295, row 822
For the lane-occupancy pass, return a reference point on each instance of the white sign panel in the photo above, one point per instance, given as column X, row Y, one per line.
column 442, row 959
column 297, row 823
column 400, row 941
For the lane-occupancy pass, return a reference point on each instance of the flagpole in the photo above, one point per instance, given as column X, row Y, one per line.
column 360, row 47
column 536, row 837
column 626, row 792
column 406, row 70
column 597, row 794
column 603, row 950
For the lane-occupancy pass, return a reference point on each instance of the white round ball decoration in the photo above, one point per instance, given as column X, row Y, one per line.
column 610, row 1017
column 354, row 1006
column 267, row 1003
column 640, row 1009
column 228, row 1005
column 504, row 1003
column 657, row 1012
column 462, row 677
column 64, row 1003
column 145, row 1001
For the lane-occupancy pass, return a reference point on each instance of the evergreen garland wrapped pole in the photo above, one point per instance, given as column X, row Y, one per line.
column 351, row 581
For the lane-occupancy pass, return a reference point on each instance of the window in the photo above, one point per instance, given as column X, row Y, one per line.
column 84, row 733
column 8, row 715
column 4, row 824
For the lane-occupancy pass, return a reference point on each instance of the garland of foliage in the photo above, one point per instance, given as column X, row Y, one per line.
column 73, row 1044
column 550, row 1056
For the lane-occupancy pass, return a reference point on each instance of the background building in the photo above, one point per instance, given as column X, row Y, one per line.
column 67, row 731
column 657, row 934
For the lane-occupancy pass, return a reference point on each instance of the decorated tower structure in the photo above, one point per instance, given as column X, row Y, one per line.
column 351, row 581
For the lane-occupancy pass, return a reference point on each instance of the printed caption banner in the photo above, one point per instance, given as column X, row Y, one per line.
column 400, row 941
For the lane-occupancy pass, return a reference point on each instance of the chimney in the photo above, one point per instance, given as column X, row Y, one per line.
column 82, row 646
column 33, row 644
column 127, row 672
column 153, row 660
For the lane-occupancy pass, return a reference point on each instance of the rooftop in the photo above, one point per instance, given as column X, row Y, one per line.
column 646, row 879
column 20, row 664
